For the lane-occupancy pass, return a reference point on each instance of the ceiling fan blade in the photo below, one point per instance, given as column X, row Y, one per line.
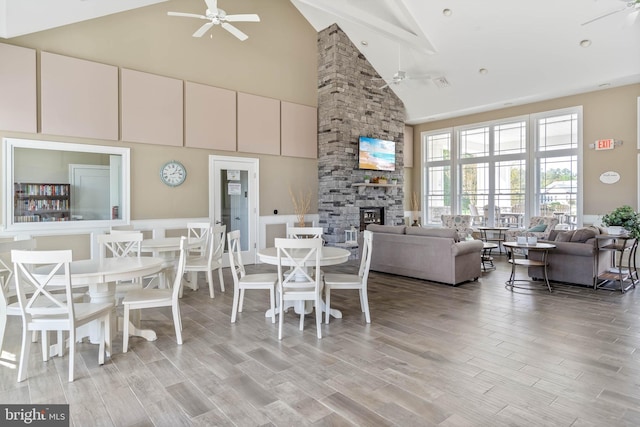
column 200, row 32
column 212, row 5
column 233, row 30
column 186, row 15
column 247, row 17
column 604, row 16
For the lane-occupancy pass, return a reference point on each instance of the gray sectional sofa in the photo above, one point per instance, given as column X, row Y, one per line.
column 434, row 254
column 575, row 258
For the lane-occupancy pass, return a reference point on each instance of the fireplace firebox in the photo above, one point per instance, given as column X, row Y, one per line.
column 371, row 215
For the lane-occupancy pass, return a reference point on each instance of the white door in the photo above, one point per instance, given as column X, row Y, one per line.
column 233, row 200
column 89, row 201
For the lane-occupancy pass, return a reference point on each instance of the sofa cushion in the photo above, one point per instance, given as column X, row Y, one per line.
column 564, row 236
column 583, row 234
column 434, row 232
column 538, row 228
column 391, row 229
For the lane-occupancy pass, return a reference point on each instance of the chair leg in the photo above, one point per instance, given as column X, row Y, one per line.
column 61, row 344
column 107, row 335
column 234, row 308
column 177, row 323
column 103, row 337
column 241, row 302
column 210, row 281
column 3, row 324
column 45, row 345
column 221, row 279
column 72, row 352
column 273, row 304
column 280, row 315
column 302, row 317
column 327, row 304
column 318, row 317
column 125, row 329
column 24, row 354
column 364, row 301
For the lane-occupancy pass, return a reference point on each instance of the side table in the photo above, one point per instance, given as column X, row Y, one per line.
column 622, row 245
column 497, row 239
column 541, row 247
column 487, row 259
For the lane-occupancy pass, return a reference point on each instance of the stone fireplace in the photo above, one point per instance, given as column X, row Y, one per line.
column 351, row 104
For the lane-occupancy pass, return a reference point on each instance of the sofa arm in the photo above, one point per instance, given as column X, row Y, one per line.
column 466, row 247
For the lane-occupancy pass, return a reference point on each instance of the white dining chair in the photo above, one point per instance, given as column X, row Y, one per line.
column 304, row 232
column 352, row 281
column 301, row 255
column 209, row 259
column 43, row 311
column 8, row 298
column 243, row 281
column 121, row 244
column 139, row 299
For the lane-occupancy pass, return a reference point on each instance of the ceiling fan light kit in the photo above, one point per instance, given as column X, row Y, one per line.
column 219, row 17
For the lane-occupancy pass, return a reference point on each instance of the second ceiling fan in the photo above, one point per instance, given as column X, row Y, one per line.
column 217, row 16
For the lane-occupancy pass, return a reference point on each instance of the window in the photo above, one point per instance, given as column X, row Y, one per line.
column 506, row 171
column 55, row 186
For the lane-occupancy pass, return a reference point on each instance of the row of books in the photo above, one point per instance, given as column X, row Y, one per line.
column 37, row 218
column 43, row 204
column 42, row 189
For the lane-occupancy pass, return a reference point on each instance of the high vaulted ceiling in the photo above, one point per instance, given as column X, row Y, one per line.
column 461, row 56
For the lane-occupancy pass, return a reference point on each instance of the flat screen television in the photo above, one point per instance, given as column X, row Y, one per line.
column 376, row 154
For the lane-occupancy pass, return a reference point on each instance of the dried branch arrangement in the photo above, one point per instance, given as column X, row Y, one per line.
column 301, row 204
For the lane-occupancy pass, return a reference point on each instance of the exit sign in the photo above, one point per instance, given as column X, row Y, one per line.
column 605, row 144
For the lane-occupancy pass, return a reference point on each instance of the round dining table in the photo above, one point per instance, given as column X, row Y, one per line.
column 100, row 276
column 329, row 255
column 165, row 248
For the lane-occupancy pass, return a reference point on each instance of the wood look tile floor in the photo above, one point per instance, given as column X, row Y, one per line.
column 434, row 355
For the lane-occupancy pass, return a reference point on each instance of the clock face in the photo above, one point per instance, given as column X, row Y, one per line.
column 173, row 173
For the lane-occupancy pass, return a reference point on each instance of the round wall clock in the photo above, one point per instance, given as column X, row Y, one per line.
column 173, row 173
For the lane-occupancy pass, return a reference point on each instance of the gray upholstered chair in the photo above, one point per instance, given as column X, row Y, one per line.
column 539, row 227
column 461, row 223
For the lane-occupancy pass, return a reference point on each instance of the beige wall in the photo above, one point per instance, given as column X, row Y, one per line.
column 610, row 113
column 278, row 61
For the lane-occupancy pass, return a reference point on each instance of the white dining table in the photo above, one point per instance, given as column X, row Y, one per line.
column 161, row 246
column 329, row 255
column 101, row 275
column 165, row 248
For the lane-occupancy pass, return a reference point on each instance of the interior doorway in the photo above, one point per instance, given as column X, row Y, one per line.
column 234, row 199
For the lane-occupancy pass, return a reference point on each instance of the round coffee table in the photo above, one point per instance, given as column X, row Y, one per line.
column 541, row 247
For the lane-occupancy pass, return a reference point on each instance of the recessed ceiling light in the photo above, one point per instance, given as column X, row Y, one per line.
column 447, row 12
column 364, row 43
column 483, row 71
column 585, row 43
column 603, row 85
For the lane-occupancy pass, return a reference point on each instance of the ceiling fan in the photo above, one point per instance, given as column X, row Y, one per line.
column 217, row 16
column 400, row 76
column 634, row 5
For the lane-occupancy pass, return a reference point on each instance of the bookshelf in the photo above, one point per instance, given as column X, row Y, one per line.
column 41, row 202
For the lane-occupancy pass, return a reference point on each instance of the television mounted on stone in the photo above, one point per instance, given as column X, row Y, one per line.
column 376, row 154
